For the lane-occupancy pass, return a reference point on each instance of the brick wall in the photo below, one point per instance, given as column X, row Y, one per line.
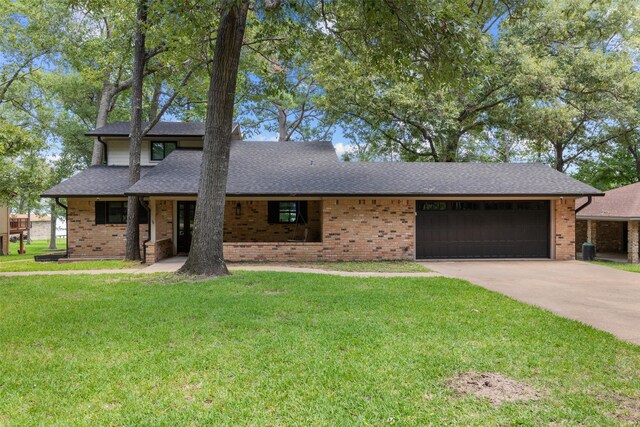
column 278, row 251
column 89, row 240
column 361, row 229
column 253, row 223
column 164, row 219
column 581, row 233
column 565, row 229
column 354, row 229
column 610, row 236
column 158, row 250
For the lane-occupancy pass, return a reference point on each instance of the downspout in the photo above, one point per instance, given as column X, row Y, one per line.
column 145, row 205
column 587, row 203
column 105, row 160
column 66, row 224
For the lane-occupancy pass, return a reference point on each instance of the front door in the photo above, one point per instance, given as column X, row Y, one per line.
column 186, row 214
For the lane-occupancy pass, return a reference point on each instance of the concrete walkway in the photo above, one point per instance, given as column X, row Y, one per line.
column 171, row 265
column 600, row 296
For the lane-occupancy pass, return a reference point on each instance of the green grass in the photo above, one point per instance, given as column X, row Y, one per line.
column 634, row 268
column 30, row 265
column 362, row 266
column 15, row 262
column 293, row 349
column 37, row 247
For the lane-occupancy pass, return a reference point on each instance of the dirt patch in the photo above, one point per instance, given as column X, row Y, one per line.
column 274, row 292
column 628, row 408
column 493, row 386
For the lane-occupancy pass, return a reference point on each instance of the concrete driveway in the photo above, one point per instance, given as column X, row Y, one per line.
column 603, row 297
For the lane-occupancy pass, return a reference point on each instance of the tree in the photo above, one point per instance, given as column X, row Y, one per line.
column 206, row 254
column 417, row 87
column 132, row 249
column 578, row 77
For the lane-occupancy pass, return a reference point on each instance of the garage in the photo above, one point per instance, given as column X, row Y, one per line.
column 482, row 229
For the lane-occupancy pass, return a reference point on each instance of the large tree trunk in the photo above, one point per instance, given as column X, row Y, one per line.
column 52, row 234
column 103, row 113
column 282, row 125
column 155, row 101
column 559, row 160
column 206, row 256
column 132, row 251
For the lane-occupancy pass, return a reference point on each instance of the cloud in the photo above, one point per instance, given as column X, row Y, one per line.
column 341, row 148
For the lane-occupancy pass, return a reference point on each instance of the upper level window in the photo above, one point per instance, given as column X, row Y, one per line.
column 161, row 149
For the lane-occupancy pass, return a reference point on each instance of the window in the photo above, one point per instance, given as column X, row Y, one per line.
column 160, row 150
column 116, row 213
column 287, row 212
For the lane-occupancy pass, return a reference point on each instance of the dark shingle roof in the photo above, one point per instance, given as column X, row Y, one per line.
column 312, row 169
column 184, row 129
column 103, row 181
column 297, row 168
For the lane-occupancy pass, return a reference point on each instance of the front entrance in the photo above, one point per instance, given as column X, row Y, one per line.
column 186, row 214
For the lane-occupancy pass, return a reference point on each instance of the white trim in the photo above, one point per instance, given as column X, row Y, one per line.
column 607, row 218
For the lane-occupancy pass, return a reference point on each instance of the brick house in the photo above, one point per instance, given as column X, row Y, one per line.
column 612, row 223
column 296, row 201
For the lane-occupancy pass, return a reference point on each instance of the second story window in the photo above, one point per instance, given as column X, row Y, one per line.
column 161, row 149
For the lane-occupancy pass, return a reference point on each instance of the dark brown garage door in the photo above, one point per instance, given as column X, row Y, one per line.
column 482, row 229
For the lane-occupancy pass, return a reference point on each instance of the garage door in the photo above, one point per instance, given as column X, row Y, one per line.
column 482, row 229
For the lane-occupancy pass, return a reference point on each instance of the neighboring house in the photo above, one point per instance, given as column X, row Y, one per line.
column 39, row 225
column 4, row 229
column 612, row 223
column 294, row 201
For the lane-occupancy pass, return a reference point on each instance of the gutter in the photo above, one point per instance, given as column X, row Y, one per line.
column 587, row 203
column 66, row 224
column 104, row 150
column 145, row 205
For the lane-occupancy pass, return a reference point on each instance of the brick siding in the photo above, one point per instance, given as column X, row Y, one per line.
column 565, row 229
column 86, row 239
column 252, row 225
column 349, row 230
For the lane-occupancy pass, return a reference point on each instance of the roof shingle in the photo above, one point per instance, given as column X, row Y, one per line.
column 312, row 169
column 621, row 203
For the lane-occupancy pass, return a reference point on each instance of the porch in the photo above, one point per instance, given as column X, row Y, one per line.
column 616, row 240
column 291, row 229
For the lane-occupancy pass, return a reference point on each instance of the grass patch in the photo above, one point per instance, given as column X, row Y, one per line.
column 30, row 265
column 633, row 268
column 362, row 266
column 37, row 247
column 265, row 348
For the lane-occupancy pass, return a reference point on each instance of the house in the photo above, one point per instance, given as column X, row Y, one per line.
column 612, row 223
column 39, row 225
column 295, row 201
column 4, row 229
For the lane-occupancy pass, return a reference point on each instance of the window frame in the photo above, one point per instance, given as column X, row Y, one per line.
column 102, row 213
column 296, row 211
column 164, row 149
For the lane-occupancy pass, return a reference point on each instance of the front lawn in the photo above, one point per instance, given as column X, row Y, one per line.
column 633, row 268
column 30, row 265
column 359, row 266
column 261, row 348
column 37, row 247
